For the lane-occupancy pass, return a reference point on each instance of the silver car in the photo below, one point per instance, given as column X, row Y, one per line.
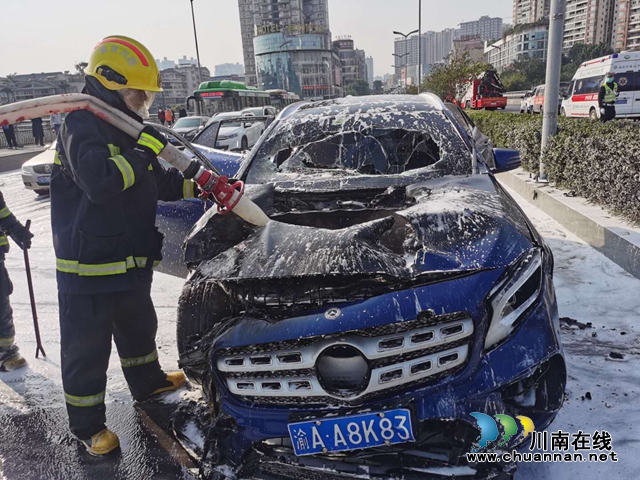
column 36, row 173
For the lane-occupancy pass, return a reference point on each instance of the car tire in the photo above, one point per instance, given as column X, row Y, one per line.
column 244, row 144
column 201, row 307
column 563, row 112
column 42, row 193
column 593, row 115
column 467, row 106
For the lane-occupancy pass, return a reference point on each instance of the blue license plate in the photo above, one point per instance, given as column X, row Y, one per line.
column 44, row 180
column 351, row 433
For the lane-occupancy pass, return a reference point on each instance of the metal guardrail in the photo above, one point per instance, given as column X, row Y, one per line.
column 24, row 133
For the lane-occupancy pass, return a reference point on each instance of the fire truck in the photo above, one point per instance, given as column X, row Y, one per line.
column 485, row 91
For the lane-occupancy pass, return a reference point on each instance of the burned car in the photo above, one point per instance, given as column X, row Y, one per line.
column 397, row 290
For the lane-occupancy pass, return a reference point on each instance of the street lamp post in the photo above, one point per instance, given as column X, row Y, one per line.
column 404, row 55
column 406, row 36
column 419, row 45
column 195, row 35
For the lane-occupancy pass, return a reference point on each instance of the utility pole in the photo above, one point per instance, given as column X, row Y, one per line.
column 406, row 62
column 195, row 35
column 552, row 84
column 419, row 45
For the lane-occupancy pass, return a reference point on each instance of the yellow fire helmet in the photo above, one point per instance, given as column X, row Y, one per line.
column 121, row 63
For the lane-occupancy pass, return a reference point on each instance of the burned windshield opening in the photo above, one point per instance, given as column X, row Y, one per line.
column 339, row 140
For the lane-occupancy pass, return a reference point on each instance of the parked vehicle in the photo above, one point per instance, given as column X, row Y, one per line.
column 537, row 102
column 36, row 172
column 527, row 102
column 486, row 91
column 581, row 99
column 261, row 111
column 396, row 292
column 189, row 127
column 240, row 135
column 282, row 98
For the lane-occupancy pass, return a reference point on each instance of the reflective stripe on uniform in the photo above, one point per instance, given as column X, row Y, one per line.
column 89, row 401
column 138, row 362
column 56, row 159
column 6, row 342
column 113, row 150
column 128, row 176
column 5, row 212
column 150, row 168
column 188, row 189
column 3, row 241
column 151, row 142
column 101, row 270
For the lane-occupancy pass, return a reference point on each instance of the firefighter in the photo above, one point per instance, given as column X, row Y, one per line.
column 105, row 187
column 10, row 358
column 607, row 98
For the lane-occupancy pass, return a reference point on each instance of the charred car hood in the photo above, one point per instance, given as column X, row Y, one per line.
column 453, row 224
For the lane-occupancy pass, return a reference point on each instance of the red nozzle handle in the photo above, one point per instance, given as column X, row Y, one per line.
column 225, row 194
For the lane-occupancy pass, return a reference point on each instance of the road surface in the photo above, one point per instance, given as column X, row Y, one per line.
column 35, row 443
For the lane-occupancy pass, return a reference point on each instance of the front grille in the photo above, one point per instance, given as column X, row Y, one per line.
column 43, row 169
column 401, row 355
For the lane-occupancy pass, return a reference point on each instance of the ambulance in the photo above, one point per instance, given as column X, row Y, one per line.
column 581, row 99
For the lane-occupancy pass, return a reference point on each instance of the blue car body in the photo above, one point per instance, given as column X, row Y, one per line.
column 440, row 287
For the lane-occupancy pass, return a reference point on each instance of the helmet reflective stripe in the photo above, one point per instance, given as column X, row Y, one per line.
column 127, row 44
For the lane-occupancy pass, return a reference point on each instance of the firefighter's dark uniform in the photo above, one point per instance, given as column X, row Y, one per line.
column 104, row 196
column 607, row 101
column 8, row 347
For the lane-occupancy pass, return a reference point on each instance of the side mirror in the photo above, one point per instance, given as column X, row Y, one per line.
column 506, row 160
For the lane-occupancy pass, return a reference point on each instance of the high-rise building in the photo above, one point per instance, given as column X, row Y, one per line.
column 531, row 41
column 247, row 30
column 530, row 11
column 436, row 46
column 588, row 21
column 287, row 45
column 626, row 25
column 370, row 73
column 486, row 28
column 229, row 69
column 353, row 62
column 472, row 46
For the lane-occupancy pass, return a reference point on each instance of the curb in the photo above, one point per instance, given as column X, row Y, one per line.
column 616, row 239
column 15, row 161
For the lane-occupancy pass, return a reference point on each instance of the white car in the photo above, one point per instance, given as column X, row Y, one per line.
column 238, row 136
column 36, row 173
column 261, row 111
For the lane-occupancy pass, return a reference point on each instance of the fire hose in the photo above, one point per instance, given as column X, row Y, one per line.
column 229, row 196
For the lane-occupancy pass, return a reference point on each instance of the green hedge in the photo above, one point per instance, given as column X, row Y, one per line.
column 600, row 162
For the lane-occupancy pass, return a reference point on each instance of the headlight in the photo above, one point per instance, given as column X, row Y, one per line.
column 513, row 296
column 26, row 170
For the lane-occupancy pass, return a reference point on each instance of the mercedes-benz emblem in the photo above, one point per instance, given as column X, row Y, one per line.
column 332, row 314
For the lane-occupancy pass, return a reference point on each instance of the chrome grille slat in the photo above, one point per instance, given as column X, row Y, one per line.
column 369, row 346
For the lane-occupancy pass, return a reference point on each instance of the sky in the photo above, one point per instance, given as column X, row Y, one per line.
column 52, row 35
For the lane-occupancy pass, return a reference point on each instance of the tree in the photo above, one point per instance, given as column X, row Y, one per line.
column 80, row 66
column 581, row 53
column 377, row 87
column 515, row 81
column 450, row 79
column 359, row 88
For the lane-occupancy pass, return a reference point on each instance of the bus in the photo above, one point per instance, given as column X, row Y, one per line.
column 281, row 98
column 581, row 99
column 223, row 96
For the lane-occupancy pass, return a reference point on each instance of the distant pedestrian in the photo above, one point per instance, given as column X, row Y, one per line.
column 607, row 98
column 183, row 112
column 10, row 134
column 56, row 122
column 38, row 131
column 161, row 116
column 168, row 115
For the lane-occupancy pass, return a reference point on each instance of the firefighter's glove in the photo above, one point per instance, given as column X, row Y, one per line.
column 151, row 141
column 20, row 235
